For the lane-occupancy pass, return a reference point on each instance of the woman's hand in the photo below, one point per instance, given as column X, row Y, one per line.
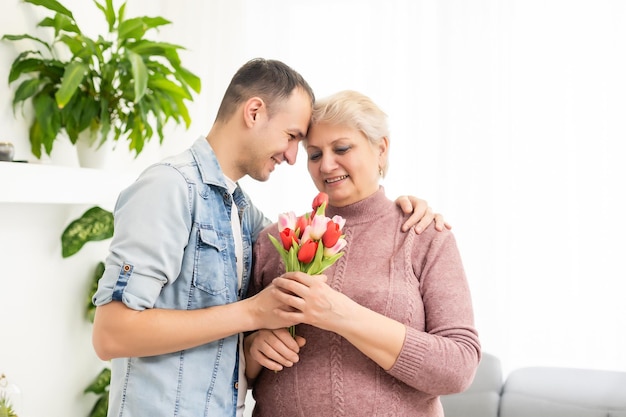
column 315, row 303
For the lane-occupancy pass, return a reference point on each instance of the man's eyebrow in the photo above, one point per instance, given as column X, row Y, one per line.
column 298, row 133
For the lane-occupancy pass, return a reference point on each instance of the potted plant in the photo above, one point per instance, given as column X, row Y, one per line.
column 118, row 85
column 93, row 225
column 6, row 409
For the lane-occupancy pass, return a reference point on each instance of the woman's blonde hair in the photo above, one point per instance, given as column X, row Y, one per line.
column 355, row 110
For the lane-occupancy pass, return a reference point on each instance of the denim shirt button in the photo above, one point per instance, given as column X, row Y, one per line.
column 236, row 385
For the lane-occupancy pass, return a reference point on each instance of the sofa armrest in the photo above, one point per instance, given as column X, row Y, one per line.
column 558, row 392
column 482, row 398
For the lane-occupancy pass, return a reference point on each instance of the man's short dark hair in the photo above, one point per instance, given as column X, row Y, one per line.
column 269, row 79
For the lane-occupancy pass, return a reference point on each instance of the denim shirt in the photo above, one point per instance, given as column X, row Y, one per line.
column 173, row 248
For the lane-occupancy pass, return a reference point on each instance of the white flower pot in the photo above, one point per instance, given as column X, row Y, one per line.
column 92, row 154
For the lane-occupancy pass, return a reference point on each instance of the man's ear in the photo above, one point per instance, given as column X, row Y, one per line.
column 253, row 109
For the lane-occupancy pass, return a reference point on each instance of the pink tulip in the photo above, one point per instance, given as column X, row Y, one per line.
column 287, row 221
column 340, row 221
column 317, row 228
column 341, row 243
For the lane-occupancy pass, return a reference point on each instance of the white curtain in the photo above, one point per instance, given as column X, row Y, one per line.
column 507, row 116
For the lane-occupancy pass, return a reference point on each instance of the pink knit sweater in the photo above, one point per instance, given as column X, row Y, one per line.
column 415, row 279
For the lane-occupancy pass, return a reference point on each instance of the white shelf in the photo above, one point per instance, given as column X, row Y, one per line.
column 52, row 184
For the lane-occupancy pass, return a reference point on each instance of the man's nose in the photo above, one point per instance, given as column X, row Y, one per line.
column 292, row 152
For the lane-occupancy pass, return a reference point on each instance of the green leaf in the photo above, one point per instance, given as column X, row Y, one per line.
column 35, row 135
column 48, row 117
column 73, row 76
column 279, row 247
column 95, row 224
column 26, row 36
column 121, row 13
column 51, row 5
column 100, row 407
column 169, row 86
column 26, row 90
column 136, row 27
column 140, row 74
column 100, row 383
column 90, row 308
column 75, row 46
column 188, row 78
column 132, row 29
column 182, row 110
column 24, row 66
column 60, row 23
column 109, row 14
column 151, row 48
column 154, row 22
column 327, row 262
column 71, row 116
column 294, row 264
column 89, row 112
column 53, row 70
column 105, row 121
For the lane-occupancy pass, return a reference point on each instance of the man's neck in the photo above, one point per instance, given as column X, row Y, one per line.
column 226, row 149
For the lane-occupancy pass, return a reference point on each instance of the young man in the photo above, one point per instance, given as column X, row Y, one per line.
column 170, row 312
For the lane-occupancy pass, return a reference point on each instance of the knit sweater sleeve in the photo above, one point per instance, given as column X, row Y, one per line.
column 441, row 357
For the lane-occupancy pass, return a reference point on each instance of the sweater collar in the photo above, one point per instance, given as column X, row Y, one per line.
column 364, row 211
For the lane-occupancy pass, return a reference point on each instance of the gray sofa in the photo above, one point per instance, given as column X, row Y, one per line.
column 539, row 392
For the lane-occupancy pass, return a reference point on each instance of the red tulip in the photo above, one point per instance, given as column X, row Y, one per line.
column 287, row 236
column 332, row 234
column 307, row 251
column 321, row 198
column 301, row 223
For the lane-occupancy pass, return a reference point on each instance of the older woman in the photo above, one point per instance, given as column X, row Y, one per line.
column 390, row 326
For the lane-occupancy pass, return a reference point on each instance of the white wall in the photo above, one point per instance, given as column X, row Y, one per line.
column 506, row 115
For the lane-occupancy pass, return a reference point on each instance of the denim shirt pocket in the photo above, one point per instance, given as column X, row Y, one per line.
column 210, row 272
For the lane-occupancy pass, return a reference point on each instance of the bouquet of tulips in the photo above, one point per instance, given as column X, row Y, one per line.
column 312, row 242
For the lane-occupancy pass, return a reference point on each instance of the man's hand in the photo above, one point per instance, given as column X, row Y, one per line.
column 421, row 214
column 265, row 308
column 272, row 349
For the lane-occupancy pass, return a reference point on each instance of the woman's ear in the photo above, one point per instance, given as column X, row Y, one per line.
column 383, row 146
column 253, row 109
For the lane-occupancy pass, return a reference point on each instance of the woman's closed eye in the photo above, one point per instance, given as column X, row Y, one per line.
column 315, row 156
column 340, row 150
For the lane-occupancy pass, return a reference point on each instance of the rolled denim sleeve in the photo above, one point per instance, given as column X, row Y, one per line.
column 152, row 227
